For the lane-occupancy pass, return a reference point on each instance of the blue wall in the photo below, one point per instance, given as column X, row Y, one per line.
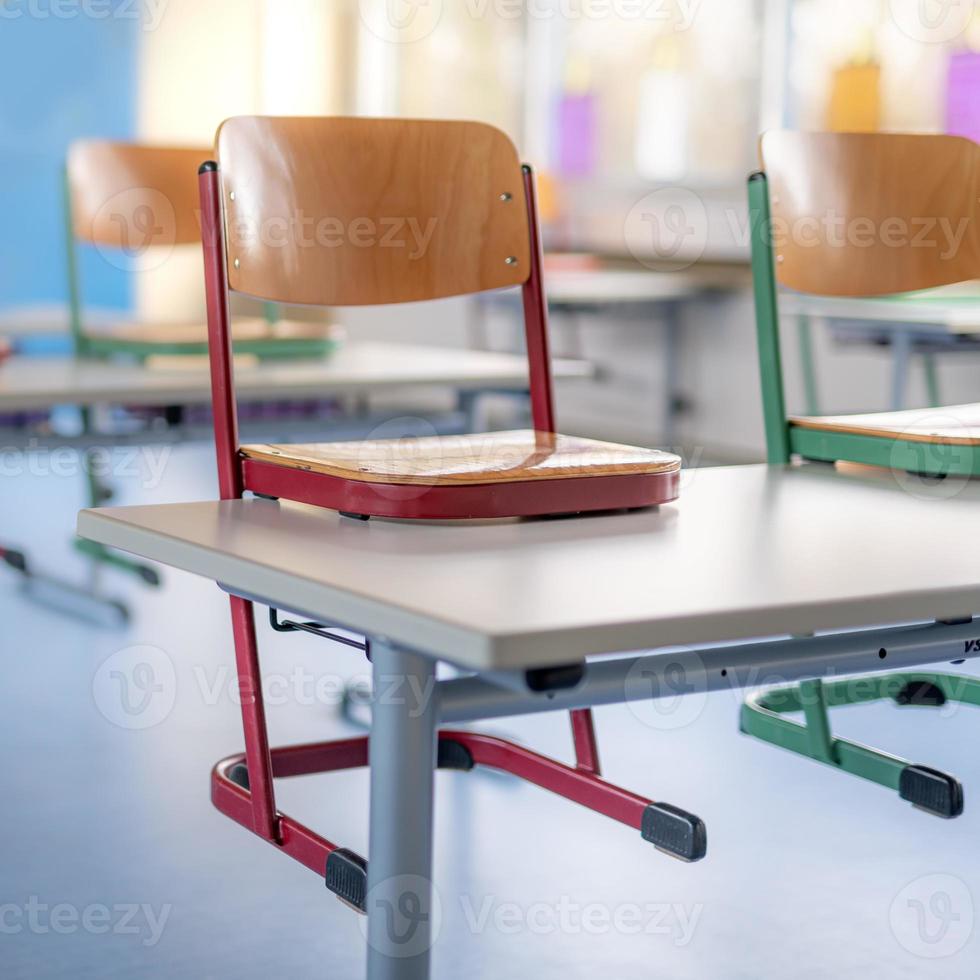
column 62, row 79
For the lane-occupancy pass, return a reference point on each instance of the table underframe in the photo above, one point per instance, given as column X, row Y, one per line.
column 410, row 704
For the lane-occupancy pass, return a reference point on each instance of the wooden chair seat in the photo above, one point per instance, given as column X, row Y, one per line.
column 954, row 425
column 253, row 329
column 473, row 460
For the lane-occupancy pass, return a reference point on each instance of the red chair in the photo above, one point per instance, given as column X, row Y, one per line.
column 343, row 212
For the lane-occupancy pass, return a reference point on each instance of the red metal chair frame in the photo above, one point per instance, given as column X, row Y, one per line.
column 312, row 850
column 255, row 806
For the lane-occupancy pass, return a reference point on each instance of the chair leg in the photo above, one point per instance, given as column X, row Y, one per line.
column 927, row 789
column 259, row 761
column 242, row 785
column 99, row 493
column 586, row 745
column 583, row 728
column 671, row 830
column 81, row 602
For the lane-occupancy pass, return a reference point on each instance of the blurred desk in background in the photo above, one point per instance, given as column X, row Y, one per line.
column 588, row 286
column 357, row 370
column 927, row 323
column 48, row 404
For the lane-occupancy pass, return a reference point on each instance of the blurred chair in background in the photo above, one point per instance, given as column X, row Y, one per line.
column 132, row 201
column 128, row 199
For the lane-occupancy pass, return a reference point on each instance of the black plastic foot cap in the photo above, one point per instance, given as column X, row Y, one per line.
column 921, row 694
column 347, row 878
column 933, row 791
column 238, row 774
column 675, row 832
column 454, row 755
column 16, row 560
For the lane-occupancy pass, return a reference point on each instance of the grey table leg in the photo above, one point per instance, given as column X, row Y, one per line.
column 468, row 402
column 807, row 364
column 673, row 398
column 400, row 901
column 901, row 355
column 932, row 379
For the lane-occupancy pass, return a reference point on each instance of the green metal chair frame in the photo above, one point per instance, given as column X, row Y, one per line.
column 762, row 715
column 928, row 789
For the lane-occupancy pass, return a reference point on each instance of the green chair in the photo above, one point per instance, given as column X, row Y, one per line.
column 134, row 203
column 860, row 215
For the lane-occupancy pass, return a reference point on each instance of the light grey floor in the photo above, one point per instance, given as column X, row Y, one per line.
column 114, row 864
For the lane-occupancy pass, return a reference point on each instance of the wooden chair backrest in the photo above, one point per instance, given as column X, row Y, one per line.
column 866, row 214
column 130, row 196
column 346, row 211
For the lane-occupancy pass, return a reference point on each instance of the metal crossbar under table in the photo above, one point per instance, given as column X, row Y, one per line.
column 698, row 670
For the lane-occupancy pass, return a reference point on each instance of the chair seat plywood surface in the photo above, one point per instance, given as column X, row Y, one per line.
column 949, row 425
column 496, row 457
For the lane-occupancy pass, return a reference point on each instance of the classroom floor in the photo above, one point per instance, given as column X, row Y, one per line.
column 114, row 863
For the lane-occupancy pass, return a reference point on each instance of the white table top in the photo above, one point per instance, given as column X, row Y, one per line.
column 609, row 287
column 51, row 319
column 613, row 286
column 955, row 309
column 28, row 383
column 747, row 551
